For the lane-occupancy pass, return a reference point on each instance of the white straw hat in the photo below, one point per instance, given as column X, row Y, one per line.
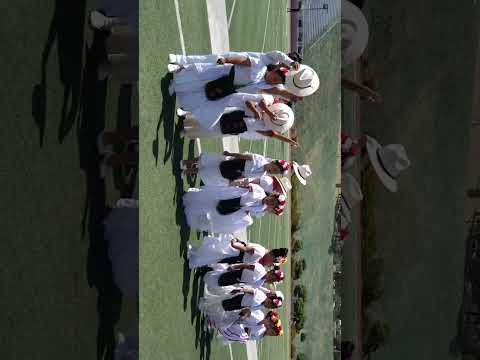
column 282, row 184
column 388, row 161
column 354, row 32
column 351, row 195
column 302, row 172
column 302, row 82
column 284, row 120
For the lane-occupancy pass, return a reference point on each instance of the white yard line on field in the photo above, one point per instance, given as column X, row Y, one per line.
column 218, row 26
column 266, row 26
column 231, row 13
column 179, row 24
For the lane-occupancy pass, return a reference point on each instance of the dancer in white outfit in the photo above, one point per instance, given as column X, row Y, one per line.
column 272, row 57
column 269, row 326
column 227, row 249
column 228, row 209
column 223, row 278
column 254, row 117
column 215, row 169
column 196, row 84
column 225, row 310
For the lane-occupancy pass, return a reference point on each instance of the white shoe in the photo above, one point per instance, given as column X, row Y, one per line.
column 189, row 251
column 171, row 89
column 172, row 58
column 182, row 165
column 181, row 112
column 173, row 68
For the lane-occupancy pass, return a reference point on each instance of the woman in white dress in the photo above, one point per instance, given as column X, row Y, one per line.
column 269, row 326
column 224, row 278
column 227, row 249
column 271, row 57
column 215, row 169
column 198, row 84
column 228, row 209
column 225, row 310
column 253, row 117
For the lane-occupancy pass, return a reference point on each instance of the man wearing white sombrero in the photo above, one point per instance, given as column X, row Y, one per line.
column 388, row 161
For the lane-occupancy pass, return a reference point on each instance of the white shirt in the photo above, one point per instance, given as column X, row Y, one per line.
column 252, row 201
column 258, row 252
column 254, row 277
column 255, row 167
column 254, row 301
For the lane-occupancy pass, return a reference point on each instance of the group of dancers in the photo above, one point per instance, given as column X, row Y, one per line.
column 246, row 94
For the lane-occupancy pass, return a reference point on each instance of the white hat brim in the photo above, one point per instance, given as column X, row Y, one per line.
column 276, row 179
column 300, row 178
column 292, row 88
column 279, row 128
column 346, row 212
column 372, row 147
column 353, row 14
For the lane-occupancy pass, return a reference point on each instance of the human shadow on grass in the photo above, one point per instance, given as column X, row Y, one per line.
column 125, row 177
column 98, row 267
column 167, row 118
column 202, row 337
column 67, row 30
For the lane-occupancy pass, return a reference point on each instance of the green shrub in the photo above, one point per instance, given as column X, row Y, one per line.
column 301, row 356
column 303, row 336
column 297, row 245
column 300, row 291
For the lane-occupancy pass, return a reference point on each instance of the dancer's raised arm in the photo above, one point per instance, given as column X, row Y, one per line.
column 274, row 134
column 235, row 60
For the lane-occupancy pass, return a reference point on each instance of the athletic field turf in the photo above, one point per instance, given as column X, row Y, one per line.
column 170, row 324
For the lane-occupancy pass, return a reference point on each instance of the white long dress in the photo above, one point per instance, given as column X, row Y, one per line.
column 189, row 83
column 209, row 168
column 271, row 57
column 238, row 333
column 208, row 118
column 201, row 207
column 252, row 278
column 211, row 306
column 121, row 231
column 219, row 318
column 217, row 248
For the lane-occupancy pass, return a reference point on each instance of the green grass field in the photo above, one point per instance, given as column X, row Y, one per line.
column 318, row 128
column 170, row 325
column 52, row 310
column 423, row 63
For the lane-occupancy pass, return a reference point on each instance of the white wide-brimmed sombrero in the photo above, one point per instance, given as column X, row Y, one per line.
column 354, row 32
column 302, row 172
column 351, row 195
column 281, row 185
column 302, row 82
column 284, row 120
column 387, row 161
